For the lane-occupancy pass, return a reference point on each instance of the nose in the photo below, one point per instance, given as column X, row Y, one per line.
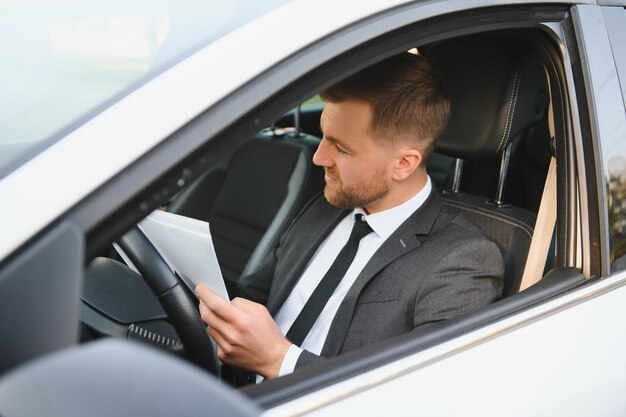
column 321, row 157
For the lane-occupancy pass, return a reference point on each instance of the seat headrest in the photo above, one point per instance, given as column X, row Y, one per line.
column 497, row 89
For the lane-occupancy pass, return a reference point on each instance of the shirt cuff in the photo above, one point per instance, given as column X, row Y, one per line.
column 289, row 361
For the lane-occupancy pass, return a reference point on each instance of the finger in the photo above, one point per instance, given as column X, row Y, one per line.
column 248, row 306
column 215, row 322
column 207, row 316
column 222, row 344
column 225, row 336
column 219, row 338
column 205, row 293
column 204, row 311
column 217, row 304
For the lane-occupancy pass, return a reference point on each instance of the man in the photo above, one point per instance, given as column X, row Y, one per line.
column 330, row 288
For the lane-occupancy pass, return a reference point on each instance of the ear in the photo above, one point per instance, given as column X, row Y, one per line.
column 407, row 161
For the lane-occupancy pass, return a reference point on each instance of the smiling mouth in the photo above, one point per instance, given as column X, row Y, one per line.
column 329, row 178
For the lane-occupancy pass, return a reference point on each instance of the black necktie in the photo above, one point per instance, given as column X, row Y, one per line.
column 314, row 306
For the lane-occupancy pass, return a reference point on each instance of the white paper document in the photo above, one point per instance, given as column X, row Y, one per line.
column 187, row 246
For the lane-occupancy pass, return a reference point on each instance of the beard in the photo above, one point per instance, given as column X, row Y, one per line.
column 357, row 195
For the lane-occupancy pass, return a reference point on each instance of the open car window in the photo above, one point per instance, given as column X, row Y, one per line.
column 520, row 195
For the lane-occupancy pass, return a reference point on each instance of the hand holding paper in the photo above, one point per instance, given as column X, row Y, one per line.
column 245, row 333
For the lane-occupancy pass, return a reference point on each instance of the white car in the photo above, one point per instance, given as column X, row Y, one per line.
column 110, row 111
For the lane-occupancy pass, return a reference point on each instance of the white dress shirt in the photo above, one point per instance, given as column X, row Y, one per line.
column 383, row 224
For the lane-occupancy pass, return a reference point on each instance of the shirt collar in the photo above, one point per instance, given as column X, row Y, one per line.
column 385, row 222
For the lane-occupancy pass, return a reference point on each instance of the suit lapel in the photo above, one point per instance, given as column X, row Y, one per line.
column 300, row 252
column 405, row 239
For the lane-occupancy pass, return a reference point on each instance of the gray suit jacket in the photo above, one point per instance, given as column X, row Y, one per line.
column 434, row 266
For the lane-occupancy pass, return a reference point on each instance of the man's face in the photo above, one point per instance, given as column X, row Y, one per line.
column 357, row 165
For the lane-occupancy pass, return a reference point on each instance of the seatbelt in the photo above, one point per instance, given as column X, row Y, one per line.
column 544, row 226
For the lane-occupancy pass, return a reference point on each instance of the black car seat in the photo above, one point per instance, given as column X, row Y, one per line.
column 498, row 93
column 251, row 200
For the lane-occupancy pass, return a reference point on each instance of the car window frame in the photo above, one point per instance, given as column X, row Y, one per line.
column 615, row 20
column 135, row 192
column 598, row 114
column 294, row 386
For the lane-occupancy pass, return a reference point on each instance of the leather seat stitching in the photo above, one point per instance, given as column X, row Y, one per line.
column 510, row 111
column 510, row 221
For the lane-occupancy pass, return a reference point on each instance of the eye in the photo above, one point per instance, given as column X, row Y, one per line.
column 340, row 150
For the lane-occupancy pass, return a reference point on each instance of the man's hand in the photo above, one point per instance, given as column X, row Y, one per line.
column 245, row 333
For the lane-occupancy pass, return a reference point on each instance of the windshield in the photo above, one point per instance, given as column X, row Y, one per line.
column 61, row 60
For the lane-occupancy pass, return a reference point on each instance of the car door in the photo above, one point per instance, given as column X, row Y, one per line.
column 565, row 355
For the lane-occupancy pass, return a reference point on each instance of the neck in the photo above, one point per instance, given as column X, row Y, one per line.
column 399, row 192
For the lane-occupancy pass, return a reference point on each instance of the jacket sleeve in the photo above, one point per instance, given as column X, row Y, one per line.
column 467, row 277
column 308, row 358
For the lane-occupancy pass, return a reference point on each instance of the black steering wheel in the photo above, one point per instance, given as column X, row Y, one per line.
column 181, row 307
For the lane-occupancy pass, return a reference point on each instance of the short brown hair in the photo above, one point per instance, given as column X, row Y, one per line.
column 408, row 101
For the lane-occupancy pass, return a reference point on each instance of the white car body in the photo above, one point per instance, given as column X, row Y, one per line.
column 564, row 356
